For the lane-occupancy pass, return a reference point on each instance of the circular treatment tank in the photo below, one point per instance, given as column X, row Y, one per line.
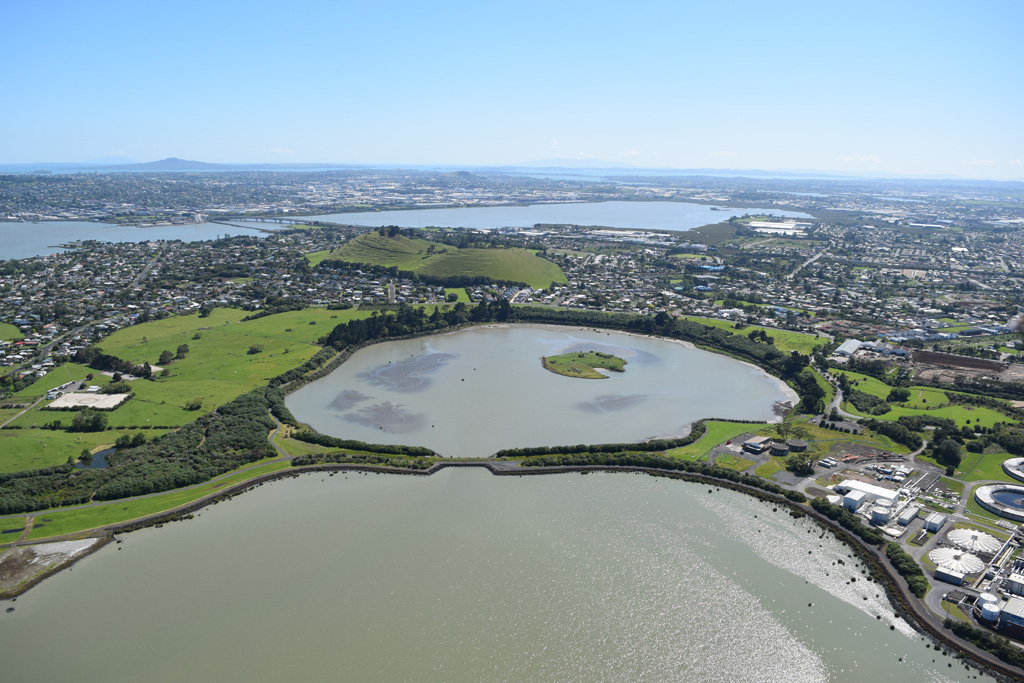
column 1014, row 467
column 974, row 541
column 1005, row 500
column 957, row 560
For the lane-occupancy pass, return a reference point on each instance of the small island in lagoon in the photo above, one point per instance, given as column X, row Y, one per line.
column 583, row 364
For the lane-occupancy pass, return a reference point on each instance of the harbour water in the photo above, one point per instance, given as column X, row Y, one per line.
column 672, row 216
column 464, row 576
column 24, row 240
column 475, row 391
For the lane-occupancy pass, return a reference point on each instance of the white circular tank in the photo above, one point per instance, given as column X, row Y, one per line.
column 880, row 514
column 990, row 611
column 987, row 599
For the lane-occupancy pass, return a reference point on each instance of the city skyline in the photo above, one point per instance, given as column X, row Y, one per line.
column 913, row 90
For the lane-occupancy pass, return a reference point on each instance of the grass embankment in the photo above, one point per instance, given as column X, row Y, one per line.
column 785, row 340
column 717, row 433
column 216, row 369
column 584, row 364
column 982, row 466
column 442, row 260
column 9, row 332
column 60, row 522
column 460, row 292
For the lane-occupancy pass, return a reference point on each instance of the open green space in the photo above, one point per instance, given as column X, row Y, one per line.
column 767, row 470
column 438, row 259
column 25, row 449
column 9, row 332
column 60, row 522
column 733, row 462
column 784, row 339
column 584, row 364
column 315, row 257
column 717, row 433
column 982, row 466
column 460, row 292
column 218, row 365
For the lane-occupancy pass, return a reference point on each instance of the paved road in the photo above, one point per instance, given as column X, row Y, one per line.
column 806, row 263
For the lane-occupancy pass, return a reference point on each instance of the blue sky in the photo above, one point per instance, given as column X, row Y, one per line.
column 900, row 87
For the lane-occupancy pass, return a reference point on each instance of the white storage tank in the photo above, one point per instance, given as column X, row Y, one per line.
column 990, row 611
column 987, row 599
column 880, row 514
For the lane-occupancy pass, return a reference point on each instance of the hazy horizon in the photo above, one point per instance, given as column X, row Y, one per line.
column 910, row 90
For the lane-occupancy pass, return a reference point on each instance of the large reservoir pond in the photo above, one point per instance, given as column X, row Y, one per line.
column 473, row 392
column 634, row 215
column 464, row 576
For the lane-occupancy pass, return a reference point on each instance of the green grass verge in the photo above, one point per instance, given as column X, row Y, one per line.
column 58, row 523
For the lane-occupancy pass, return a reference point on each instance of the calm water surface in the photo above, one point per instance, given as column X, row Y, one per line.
column 637, row 215
column 473, row 392
column 464, row 576
column 24, row 240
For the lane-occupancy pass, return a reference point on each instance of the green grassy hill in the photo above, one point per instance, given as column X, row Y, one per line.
column 430, row 258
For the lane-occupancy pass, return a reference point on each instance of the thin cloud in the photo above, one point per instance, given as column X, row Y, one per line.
column 630, row 153
column 1015, row 161
column 282, row 150
column 721, row 154
column 980, row 162
column 873, row 158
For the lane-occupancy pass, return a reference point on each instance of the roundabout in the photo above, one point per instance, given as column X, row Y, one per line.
column 1005, row 500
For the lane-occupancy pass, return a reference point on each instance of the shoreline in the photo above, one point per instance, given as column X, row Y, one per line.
column 904, row 603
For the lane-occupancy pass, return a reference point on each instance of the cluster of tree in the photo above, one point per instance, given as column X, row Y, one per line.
column 318, row 359
column 275, row 305
column 347, row 458
column 895, row 431
column 88, row 420
column 661, row 462
column 120, row 387
column 866, row 403
column 334, row 442
column 647, row 446
column 219, row 441
column 988, row 641
column 908, row 568
column 848, row 521
column 130, row 441
column 94, row 357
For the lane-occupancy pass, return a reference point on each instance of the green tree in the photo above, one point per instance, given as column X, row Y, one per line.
column 165, row 358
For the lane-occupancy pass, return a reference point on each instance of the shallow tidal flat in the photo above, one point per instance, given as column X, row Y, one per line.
column 473, row 392
column 464, row 576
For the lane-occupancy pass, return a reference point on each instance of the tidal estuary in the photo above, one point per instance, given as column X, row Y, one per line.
column 464, row 576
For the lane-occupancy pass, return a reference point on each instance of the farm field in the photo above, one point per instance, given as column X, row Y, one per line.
column 432, row 258
column 216, row 369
